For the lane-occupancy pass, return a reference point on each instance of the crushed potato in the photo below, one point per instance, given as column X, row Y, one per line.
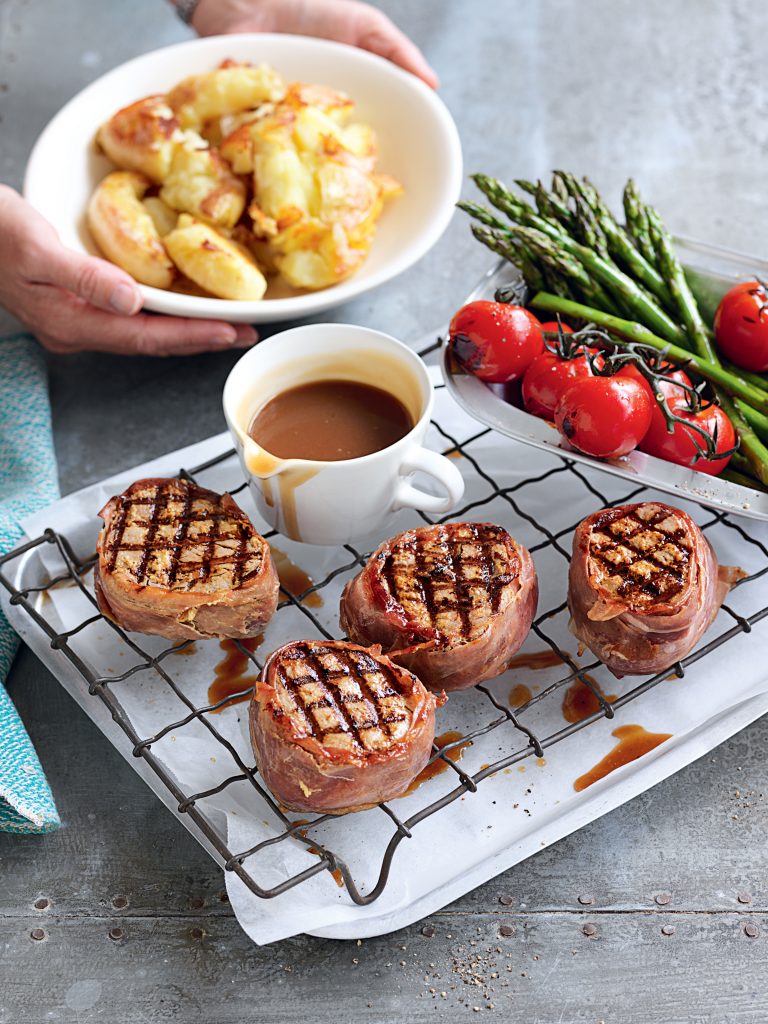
column 246, row 175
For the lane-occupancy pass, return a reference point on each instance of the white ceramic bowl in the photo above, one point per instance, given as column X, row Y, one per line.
column 418, row 144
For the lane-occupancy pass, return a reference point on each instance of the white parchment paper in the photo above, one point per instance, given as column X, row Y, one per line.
column 514, row 813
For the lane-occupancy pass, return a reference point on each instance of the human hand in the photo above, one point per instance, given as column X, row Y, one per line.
column 346, row 21
column 74, row 303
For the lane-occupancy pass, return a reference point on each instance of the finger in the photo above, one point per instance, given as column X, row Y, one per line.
column 65, row 324
column 97, row 282
column 386, row 39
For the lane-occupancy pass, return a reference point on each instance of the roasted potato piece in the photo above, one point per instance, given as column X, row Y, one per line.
column 335, row 104
column 314, row 255
column 214, row 261
column 226, row 90
column 201, row 182
column 163, row 217
column 124, row 230
column 141, row 137
column 237, row 149
column 349, row 197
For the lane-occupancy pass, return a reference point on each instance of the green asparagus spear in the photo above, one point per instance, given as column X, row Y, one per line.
column 637, row 222
column 750, row 444
column 757, row 420
column 622, row 250
column 678, row 285
column 741, row 473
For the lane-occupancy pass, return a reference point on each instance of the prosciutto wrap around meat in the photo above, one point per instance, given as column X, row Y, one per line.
column 452, row 602
column 338, row 728
column 183, row 562
column 643, row 586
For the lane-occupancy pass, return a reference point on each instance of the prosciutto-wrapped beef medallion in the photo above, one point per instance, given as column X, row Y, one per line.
column 336, row 727
column 643, row 586
column 451, row 602
column 183, row 562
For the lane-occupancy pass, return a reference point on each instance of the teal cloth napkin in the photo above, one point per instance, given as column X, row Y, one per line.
column 28, row 482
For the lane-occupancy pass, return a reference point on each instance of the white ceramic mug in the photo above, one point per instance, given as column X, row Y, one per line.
column 337, row 502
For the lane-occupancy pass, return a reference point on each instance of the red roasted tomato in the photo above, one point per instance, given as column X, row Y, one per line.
column 681, row 445
column 673, row 394
column 741, row 326
column 549, row 376
column 495, row 341
column 551, row 326
column 604, row 416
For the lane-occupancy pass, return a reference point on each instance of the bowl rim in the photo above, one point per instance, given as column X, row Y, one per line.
column 268, row 310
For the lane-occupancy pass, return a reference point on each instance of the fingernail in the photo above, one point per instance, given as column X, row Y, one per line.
column 225, row 339
column 246, row 335
column 125, row 299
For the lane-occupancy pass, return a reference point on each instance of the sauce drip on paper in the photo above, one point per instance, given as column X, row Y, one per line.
column 634, row 741
column 579, row 702
column 293, row 579
column 232, row 673
column 438, row 766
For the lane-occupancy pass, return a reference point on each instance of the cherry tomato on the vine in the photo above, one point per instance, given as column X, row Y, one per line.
column 549, row 375
column 684, row 445
column 495, row 341
column 604, row 416
column 670, row 389
column 741, row 326
column 551, row 326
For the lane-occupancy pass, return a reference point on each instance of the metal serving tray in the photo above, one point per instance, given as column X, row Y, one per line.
column 711, row 271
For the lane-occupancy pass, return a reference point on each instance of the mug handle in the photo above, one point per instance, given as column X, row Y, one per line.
column 440, row 469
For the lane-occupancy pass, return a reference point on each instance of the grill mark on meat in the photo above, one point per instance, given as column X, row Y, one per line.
column 357, row 671
column 354, row 665
column 178, row 540
column 141, row 571
column 210, row 551
column 323, row 677
column 150, row 545
column 117, row 532
column 668, row 579
column 440, row 562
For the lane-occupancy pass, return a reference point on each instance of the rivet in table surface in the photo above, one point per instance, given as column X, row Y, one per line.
column 663, row 899
column 506, row 901
column 197, row 933
column 589, row 930
column 196, row 902
column 42, row 903
column 744, row 897
column 38, row 934
column 506, row 930
column 586, row 900
column 120, row 902
column 428, row 931
column 116, row 934
column 668, row 929
column 751, row 931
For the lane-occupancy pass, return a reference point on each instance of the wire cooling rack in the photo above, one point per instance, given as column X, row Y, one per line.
column 492, row 712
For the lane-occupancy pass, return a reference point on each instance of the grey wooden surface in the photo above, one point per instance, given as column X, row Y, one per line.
column 656, row 913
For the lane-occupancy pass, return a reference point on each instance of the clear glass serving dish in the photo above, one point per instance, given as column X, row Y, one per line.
column 711, row 271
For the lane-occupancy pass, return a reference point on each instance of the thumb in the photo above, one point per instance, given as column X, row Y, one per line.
column 97, row 282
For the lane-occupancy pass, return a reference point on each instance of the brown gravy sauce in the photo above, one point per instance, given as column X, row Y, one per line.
column 231, row 673
column 519, row 695
column 634, row 741
column 293, row 579
column 579, row 702
column 439, row 766
column 330, row 420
